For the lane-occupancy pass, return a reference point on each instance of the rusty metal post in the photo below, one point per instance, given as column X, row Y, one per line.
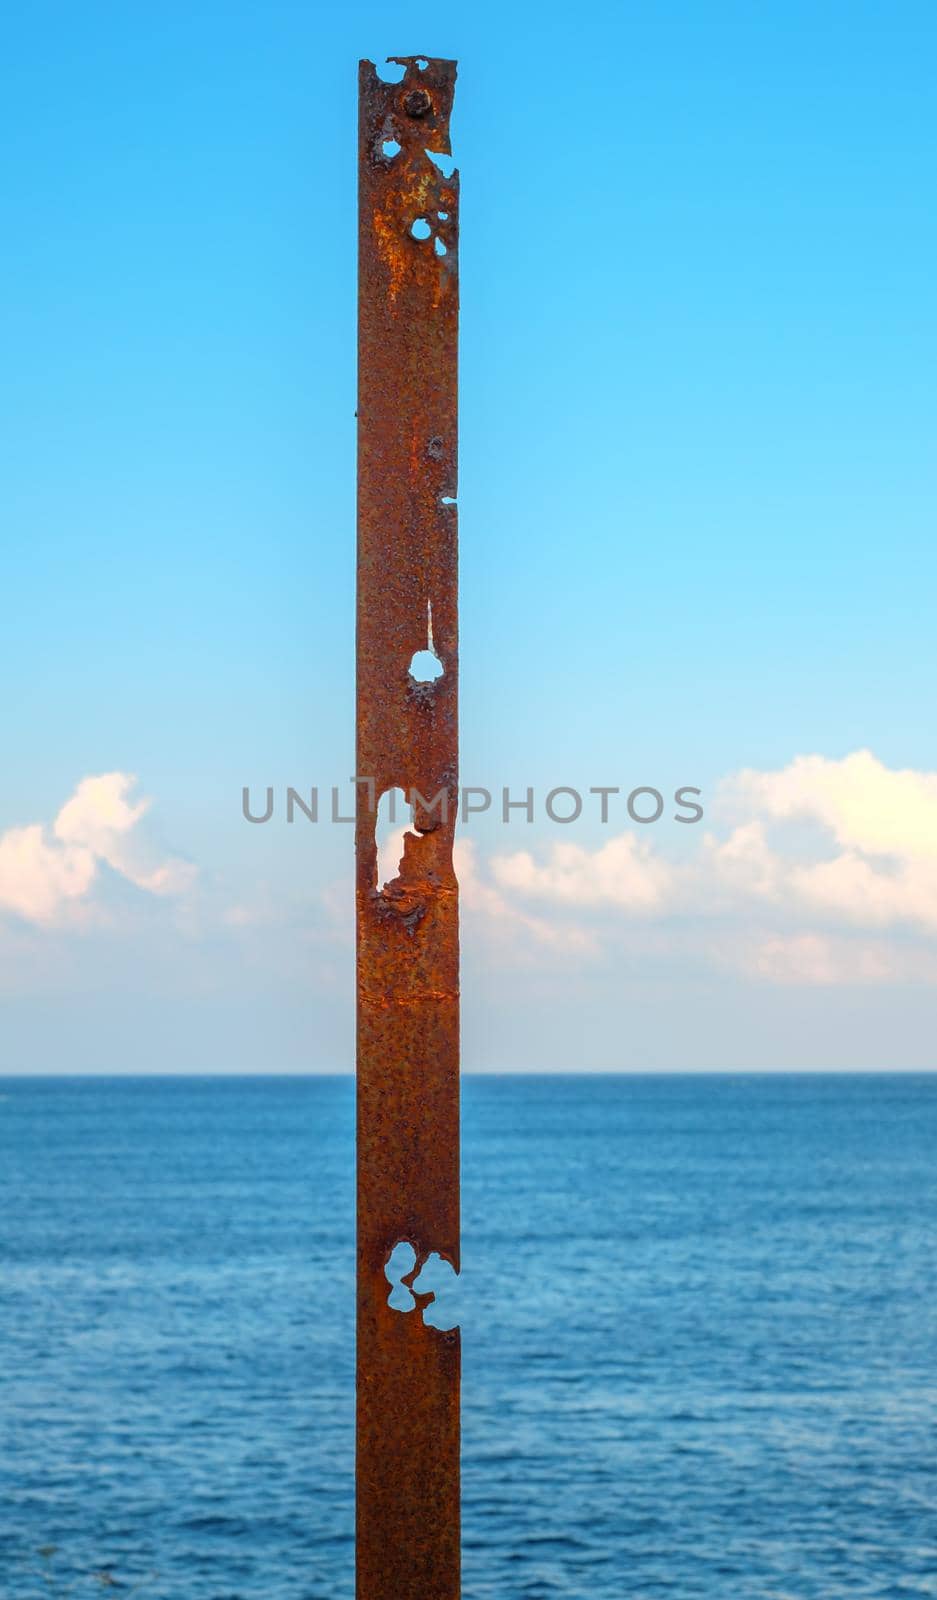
column 408, row 1373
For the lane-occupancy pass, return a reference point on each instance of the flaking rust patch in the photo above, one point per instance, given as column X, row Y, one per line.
column 391, row 251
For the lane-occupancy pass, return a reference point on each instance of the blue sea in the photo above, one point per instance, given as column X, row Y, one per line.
column 699, row 1338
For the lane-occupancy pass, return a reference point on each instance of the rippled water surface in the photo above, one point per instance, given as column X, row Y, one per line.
column 700, row 1338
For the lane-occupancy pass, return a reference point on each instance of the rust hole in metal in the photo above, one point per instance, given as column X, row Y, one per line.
column 393, row 819
column 438, row 1277
column 391, row 70
column 399, row 1265
column 436, row 1285
column 445, row 162
column 425, row 666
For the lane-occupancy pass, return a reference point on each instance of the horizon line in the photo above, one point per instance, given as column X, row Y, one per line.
column 209, row 1074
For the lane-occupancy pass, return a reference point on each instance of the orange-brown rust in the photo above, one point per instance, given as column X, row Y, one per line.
column 407, row 737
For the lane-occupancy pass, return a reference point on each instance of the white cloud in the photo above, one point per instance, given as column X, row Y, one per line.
column 866, row 863
column 624, row 872
column 866, row 806
column 495, row 915
column 852, row 888
column 742, row 865
column 884, row 822
column 38, row 877
column 824, row 960
column 49, row 874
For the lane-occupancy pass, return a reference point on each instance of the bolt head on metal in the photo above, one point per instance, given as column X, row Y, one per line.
column 417, row 103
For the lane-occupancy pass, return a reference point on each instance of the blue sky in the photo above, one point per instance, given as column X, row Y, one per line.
column 696, row 510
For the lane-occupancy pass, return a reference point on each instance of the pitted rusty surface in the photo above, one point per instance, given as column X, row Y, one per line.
column 407, row 737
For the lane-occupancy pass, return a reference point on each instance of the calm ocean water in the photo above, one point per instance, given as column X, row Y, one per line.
column 700, row 1338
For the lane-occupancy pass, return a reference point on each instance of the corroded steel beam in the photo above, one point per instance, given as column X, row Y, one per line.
column 408, row 1373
